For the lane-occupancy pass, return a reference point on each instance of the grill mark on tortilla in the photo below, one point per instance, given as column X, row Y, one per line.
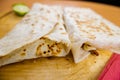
column 107, row 28
column 98, row 28
column 102, row 27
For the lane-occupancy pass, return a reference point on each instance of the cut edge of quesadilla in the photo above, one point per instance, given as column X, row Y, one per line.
column 55, row 41
column 90, row 32
column 38, row 22
column 41, row 48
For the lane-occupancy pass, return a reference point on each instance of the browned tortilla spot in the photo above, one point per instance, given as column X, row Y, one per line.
column 27, row 16
column 43, row 25
column 48, row 45
column 92, row 37
column 44, row 52
column 41, row 38
column 23, row 54
column 42, row 43
column 61, row 28
column 48, row 11
column 64, row 33
column 44, row 18
column 24, row 49
column 32, row 24
column 48, row 51
column 36, row 21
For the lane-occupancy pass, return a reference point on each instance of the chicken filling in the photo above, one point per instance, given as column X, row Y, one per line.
column 89, row 48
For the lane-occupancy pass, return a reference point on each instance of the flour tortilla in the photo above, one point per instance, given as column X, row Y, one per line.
column 40, row 33
column 86, row 26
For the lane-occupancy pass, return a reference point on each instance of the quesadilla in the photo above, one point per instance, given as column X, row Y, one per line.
column 40, row 33
column 90, row 32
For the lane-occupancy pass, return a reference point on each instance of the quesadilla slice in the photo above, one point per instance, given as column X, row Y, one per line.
column 40, row 33
column 90, row 32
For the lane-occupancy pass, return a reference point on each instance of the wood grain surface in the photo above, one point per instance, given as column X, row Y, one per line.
column 55, row 68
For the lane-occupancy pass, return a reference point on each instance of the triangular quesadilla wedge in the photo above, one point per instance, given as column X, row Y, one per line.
column 40, row 33
column 90, row 32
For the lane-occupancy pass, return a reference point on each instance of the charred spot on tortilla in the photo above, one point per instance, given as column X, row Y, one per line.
column 44, row 52
column 48, row 51
column 24, row 50
column 94, row 52
column 48, row 45
column 41, row 38
column 33, row 24
column 42, row 43
column 56, row 43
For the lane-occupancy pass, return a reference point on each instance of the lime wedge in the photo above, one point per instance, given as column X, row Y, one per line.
column 20, row 9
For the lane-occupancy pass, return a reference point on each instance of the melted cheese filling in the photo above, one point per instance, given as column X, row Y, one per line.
column 48, row 47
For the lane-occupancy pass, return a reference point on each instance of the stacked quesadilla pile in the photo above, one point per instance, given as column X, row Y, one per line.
column 53, row 30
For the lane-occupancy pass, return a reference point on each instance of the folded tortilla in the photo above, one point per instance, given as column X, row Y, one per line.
column 90, row 32
column 40, row 33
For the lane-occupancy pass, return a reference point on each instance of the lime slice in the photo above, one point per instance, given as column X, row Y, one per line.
column 20, row 9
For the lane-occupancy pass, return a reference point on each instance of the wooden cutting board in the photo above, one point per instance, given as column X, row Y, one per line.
column 55, row 68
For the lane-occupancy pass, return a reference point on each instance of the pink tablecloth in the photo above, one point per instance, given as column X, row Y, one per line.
column 112, row 69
